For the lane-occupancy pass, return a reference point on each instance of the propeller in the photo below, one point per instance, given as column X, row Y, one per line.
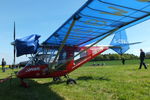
column 14, row 37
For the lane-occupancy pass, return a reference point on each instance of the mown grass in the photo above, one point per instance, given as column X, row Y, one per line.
column 117, row 62
column 109, row 82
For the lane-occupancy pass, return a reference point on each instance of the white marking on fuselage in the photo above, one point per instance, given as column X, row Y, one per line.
column 33, row 69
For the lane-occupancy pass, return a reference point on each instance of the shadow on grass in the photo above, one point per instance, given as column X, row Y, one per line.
column 13, row 91
column 93, row 78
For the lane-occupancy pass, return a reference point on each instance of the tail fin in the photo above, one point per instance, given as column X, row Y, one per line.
column 120, row 43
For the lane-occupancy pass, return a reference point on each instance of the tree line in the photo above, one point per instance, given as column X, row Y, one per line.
column 103, row 57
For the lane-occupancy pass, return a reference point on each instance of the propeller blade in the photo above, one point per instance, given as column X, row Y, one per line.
column 14, row 45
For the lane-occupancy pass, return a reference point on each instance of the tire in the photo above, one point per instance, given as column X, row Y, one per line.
column 71, row 81
column 56, row 79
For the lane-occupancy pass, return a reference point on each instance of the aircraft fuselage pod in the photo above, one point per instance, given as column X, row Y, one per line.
column 68, row 60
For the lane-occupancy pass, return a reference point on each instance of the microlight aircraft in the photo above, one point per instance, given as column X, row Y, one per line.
column 66, row 49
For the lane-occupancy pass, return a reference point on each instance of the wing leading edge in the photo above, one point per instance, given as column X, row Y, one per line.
column 98, row 18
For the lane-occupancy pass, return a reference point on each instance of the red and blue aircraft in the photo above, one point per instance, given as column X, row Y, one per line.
column 66, row 49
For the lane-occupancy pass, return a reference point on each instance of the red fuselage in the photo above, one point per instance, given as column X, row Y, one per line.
column 41, row 71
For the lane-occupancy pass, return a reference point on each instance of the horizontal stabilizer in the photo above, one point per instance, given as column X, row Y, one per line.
column 111, row 46
column 134, row 43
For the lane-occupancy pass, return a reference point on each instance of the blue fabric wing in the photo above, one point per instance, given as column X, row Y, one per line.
column 27, row 45
column 98, row 18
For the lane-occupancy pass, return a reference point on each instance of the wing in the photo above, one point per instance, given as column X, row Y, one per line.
column 98, row 18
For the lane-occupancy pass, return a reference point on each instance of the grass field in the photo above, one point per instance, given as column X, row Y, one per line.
column 110, row 82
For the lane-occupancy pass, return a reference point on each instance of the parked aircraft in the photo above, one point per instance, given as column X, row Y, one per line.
column 66, row 49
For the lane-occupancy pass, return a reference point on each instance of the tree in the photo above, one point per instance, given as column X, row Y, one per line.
column 114, row 57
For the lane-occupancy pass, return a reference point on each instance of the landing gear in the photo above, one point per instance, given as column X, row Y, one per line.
column 24, row 84
column 69, row 80
column 56, row 79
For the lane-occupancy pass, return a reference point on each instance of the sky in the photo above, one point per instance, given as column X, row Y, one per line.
column 43, row 17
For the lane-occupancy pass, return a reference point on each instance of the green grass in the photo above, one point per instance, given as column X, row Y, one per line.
column 109, row 82
column 117, row 62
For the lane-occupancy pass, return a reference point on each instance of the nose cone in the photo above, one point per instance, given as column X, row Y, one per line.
column 21, row 74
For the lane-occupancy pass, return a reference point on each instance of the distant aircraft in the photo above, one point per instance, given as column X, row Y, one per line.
column 66, row 49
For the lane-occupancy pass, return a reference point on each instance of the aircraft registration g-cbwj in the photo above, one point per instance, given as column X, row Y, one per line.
column 66, row 49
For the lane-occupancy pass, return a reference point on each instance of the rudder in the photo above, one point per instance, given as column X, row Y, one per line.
column 119, row 42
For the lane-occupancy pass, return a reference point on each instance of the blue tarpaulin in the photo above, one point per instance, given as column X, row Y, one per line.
column 27, row 45
column 98, row 18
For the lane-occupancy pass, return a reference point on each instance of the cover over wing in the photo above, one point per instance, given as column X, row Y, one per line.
column 99, row 18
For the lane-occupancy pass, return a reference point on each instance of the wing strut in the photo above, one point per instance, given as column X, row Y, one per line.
column 65, row 39
column 87, row 48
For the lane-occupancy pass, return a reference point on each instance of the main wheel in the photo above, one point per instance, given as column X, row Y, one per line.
column 71, row 81
column 56, row 79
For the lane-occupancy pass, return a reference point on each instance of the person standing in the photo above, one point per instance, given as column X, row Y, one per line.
column 123, row 61
column 3, row 64
column 142, row 57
